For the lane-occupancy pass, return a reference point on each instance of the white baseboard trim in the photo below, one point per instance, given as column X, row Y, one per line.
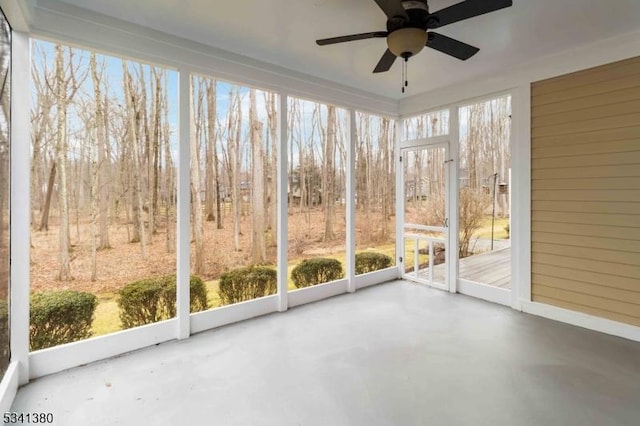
column 493, row 294
column 580, row 319
column 70, row 355
column 207, row 320
column 377, row 277
column 9, row 387
column 317, row 292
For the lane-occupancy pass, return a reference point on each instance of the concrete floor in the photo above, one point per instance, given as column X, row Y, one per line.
column 394, row 354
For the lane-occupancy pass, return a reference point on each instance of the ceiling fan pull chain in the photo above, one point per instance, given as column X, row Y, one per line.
column 404, row 70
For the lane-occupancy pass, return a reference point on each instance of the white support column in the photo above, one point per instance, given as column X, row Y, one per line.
column 399, row 135
column 351, row 203
column 184, row 204
column 283, row 206
column 20, row 204
column 521, row 197
column 454, row 190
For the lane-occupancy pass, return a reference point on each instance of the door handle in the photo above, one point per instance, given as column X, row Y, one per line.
column 446, row 222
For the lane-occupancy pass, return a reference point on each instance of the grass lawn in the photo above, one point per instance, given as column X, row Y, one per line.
column 107, row 318
column 107, row 315
column 500, row 232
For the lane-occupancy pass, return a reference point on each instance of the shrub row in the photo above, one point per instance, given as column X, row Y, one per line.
column 58, row 317
column 316, row 271
column 247, row 283
column 371, row 261
column 154, row 299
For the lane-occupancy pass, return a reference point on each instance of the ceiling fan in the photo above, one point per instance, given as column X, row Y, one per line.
column 408, row 29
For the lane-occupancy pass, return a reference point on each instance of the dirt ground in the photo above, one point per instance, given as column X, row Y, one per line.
column 124, row 263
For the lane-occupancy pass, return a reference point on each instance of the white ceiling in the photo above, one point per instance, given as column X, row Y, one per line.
column 283, row 32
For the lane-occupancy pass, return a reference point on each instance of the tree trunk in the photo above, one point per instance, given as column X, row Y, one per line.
column 213, row 175
column 133, row 143
column 64, row 273
column 328, row 175
column 196, row 201
column 272, row 114
column 44, row 221
column 258, row 250
column 100, row 179
column 235, row 172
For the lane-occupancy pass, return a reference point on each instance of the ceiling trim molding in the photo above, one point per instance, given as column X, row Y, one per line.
column 18, row 13
column 77, row 26
column 590, row 55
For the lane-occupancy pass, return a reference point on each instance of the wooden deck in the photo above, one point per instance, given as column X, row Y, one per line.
column 491, row 268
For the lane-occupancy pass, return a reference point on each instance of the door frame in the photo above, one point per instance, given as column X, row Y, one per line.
column 451, row 274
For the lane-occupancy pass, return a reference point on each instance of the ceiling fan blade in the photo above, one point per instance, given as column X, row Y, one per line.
column 465, row 10
column 452, row 47
column 392, row 8
column 385, row 62
column 342, row 39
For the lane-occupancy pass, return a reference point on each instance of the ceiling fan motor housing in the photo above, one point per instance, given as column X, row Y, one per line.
column 407, row 38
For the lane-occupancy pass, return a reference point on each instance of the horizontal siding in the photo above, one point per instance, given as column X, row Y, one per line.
column 568, row 261
column 585, row 190
column 601, row 99
column 603, row 87
column 603, row 123
column 615, row 195
column 588, row 77
column 626, row 145
column 589, row 289
column 588, row 183
column 581, row 137
column 589, row 160
column 630, row 208
column 614, row 316
column 588, row 277
column 611, row 231
column 604, row 303
column 586, row 218
column 581, row 114
column 607, row 243
column 588, row 253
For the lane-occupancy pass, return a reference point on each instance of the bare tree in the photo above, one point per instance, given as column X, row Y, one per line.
column 235, row 127
column 66, row 86
column 100, row 179
column 196, row 197
column 328, row 175
column 132, row 132
column 258, row 252
column 272, row 117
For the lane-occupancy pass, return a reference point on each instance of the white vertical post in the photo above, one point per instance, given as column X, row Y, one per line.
column 20, row 204
column 400, row 197
column 451, row 253
column 351, row 203
column 282, row 205
column 521, row 197
column 184, row 204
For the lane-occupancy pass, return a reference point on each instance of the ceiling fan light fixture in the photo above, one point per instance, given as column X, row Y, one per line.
column 406, row 42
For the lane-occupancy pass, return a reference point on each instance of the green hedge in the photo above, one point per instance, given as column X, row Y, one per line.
column 58, row 317
column 371, row 261
column 154, row 299
column 247, row 283
column 316, row 271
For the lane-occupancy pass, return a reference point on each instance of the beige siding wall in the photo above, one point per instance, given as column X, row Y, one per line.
column 585, row 170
